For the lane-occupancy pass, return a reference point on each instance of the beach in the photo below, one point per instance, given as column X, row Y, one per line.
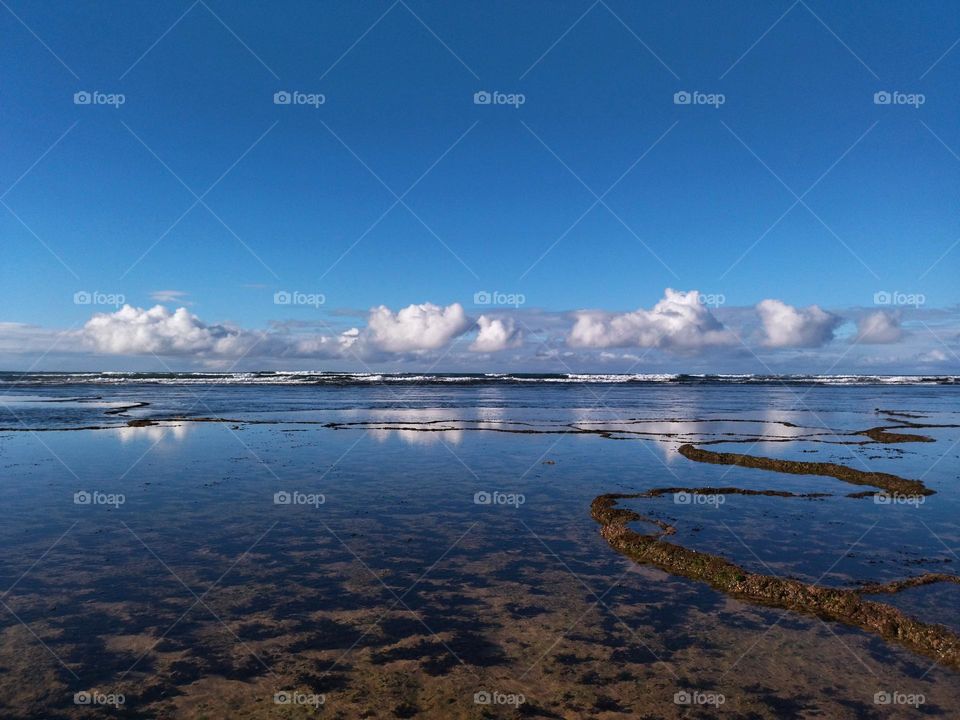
column 250, row 545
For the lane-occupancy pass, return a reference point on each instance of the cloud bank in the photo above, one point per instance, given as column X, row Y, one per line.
column 679, row 333
column 413, row 329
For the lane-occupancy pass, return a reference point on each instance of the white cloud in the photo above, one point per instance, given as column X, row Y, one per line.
column 317, row 346
column 879, row 327
column 348, row 338
column 679, row 321
column 933, row 356
column 158, row 331
column 170, row 296
column 17, row 338
column 787, row 326
column 586, row 341
column 496, row 334
column 161, row 331
column 416, row 327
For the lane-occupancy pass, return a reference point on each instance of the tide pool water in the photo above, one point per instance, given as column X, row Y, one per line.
column 205, row 546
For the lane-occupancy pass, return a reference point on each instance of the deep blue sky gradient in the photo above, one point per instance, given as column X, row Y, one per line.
column 399, row 99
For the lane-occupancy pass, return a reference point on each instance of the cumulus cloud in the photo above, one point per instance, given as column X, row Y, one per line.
column 679, row 321
column 879, row 328
column 416, row 328
column 160, row 331
column 496, row 334
column 588, row 340
column 787, row 326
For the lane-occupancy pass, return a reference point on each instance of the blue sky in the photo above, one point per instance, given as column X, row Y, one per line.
column 305, row 198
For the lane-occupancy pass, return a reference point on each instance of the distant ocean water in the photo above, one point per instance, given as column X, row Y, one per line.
column 309, row 377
